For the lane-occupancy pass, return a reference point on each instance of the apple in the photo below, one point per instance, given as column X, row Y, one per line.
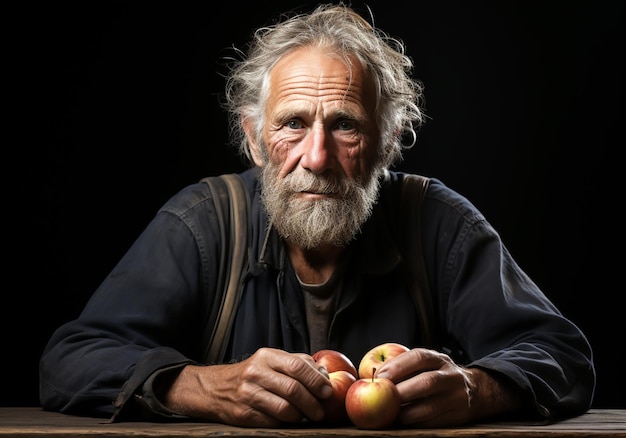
column 373, row 403
column 335, row 405
column 334, row 360
column 375, row 357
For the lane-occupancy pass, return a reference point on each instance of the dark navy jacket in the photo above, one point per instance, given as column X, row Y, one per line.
column 148, row 314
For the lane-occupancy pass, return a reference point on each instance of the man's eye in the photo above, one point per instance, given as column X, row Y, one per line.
column 345, row 125
column 294, row 124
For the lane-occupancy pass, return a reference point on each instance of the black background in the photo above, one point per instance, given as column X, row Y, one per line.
column 113, row 107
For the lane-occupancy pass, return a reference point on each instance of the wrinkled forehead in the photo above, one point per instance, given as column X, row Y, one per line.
column 320, row 72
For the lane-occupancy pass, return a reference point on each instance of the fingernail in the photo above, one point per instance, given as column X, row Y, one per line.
column 322, row 369
column 327, row 391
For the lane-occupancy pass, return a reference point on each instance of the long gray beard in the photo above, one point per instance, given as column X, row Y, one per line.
column 310, row 224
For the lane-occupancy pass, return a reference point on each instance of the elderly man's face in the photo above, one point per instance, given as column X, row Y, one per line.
column 320, row 172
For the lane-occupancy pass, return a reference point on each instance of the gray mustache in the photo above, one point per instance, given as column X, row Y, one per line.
column 316, row 184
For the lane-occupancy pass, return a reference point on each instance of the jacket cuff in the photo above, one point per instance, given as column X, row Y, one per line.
column 138, row 397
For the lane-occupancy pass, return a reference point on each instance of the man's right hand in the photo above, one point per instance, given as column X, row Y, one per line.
column 268, row 389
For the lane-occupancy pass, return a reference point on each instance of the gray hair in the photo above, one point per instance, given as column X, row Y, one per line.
column 342, row 30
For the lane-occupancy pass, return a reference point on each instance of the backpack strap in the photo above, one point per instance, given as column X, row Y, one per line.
column 412, row 194
column 231, row 208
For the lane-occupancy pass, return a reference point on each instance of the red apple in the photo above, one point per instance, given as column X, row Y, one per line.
column 373, row 403
column 377, row 355
column 335, row 405
column 334, row 360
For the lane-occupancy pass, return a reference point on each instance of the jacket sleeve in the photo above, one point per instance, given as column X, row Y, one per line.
column 140, row 320
column 503, row 321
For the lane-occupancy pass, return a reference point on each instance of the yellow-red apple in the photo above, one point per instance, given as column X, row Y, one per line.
column 373, row 403
column 375, row 357
column 334, row 360
column 335, row 405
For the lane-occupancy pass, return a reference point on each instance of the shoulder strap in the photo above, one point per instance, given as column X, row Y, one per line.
column 413, row 192
column 231, row 208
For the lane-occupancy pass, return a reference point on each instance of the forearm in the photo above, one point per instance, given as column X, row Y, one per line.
column 554, row 385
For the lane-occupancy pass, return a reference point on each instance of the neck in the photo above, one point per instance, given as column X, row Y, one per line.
column 314, row 266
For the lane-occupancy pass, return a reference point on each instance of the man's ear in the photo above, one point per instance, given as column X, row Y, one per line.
column 255, row 151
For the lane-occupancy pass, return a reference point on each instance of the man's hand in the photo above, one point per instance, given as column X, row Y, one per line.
column 270, row 388
column 436, row 392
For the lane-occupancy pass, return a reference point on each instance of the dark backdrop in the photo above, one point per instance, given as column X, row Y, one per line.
column 113, row 107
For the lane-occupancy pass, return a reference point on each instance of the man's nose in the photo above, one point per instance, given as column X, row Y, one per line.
column 317, row 154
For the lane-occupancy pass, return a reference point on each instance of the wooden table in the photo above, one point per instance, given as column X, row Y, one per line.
column 24, row 422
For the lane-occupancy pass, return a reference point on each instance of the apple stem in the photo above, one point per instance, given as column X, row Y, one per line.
column 373, row 373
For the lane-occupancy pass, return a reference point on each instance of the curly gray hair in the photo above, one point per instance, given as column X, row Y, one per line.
column 341, row 29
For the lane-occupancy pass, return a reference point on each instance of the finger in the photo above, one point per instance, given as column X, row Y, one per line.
column 433, row 412
column 411, row 363
column 448, row 404
column 449, row 378
column 306, row 371
column 321, row 368
column 267, row 406
column 298, row 382
column 256, row 399
column 425, row 384
column 441, row 393
column 253, row 412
